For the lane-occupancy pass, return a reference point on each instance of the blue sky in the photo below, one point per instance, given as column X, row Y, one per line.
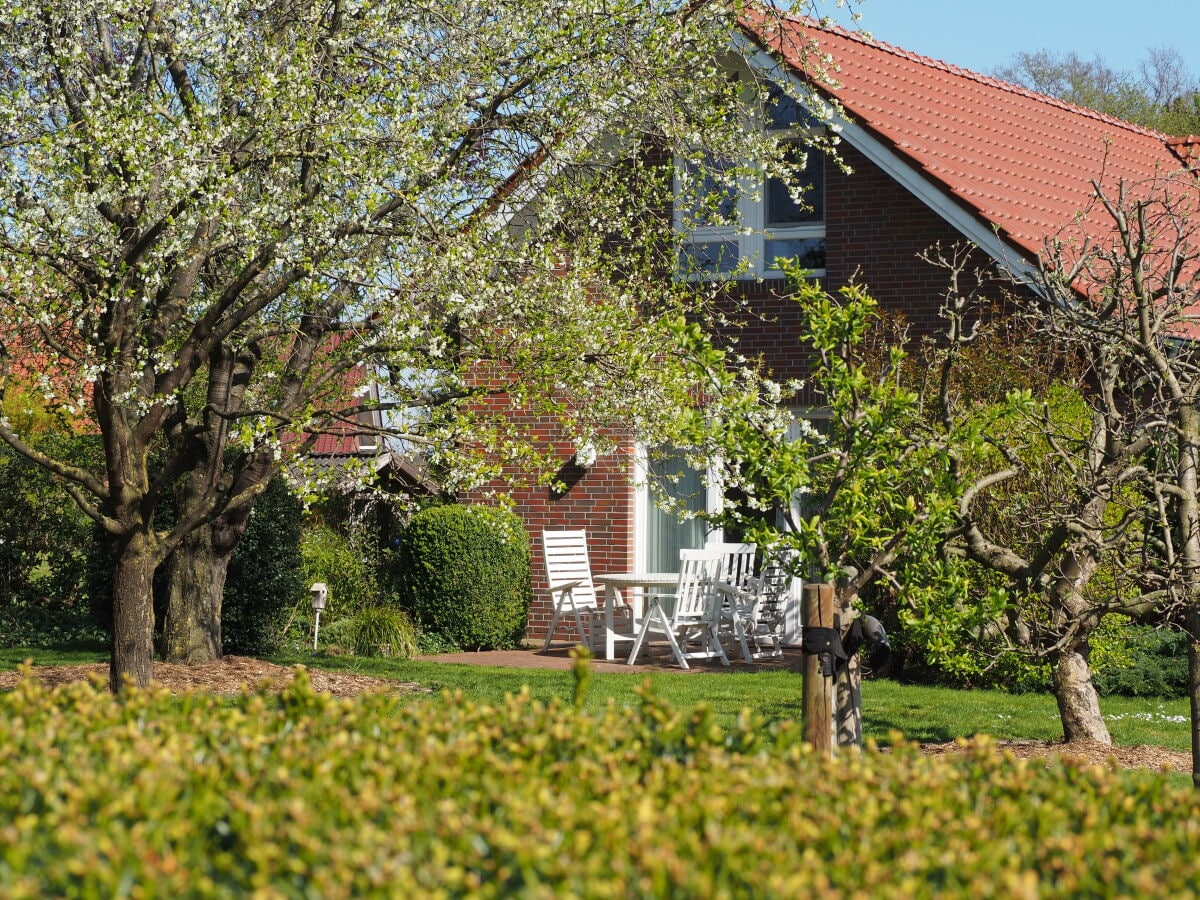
column 985, row 35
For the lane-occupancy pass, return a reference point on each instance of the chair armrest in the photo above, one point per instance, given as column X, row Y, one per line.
column 565, row 586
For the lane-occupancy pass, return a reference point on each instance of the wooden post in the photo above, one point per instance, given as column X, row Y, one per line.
column 817, row 611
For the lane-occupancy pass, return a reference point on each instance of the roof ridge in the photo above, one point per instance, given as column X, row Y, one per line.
column 864, row 37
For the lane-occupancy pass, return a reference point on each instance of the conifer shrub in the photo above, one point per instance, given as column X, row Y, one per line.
column 464, row 572
column 265, row 575
column 1154, row 664
column 44, row 550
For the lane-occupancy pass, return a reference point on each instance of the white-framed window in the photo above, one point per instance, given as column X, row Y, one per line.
column 745, row 226
column 662, row 533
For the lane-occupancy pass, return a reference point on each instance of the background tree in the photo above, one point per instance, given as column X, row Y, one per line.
column 987, row 518
column 220, row 218
column 1137, row 295
column 1162, row 94
column 1048, row 489
column 856, row 495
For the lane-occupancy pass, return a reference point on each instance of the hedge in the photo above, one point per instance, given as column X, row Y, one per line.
column 302, row 795
column 464, row 572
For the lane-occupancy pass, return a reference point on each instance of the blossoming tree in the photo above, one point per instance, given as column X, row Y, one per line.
column 219, row 220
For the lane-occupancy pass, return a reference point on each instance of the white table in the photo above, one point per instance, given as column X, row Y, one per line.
column 613, row 583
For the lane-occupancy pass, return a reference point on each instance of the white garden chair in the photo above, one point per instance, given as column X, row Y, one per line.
column 762, row 612
column 736, row 586
column 737, row 563
column 691, row 613
column 569, row 572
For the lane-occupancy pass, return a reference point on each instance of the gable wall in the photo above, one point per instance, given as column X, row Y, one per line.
column 874, row 228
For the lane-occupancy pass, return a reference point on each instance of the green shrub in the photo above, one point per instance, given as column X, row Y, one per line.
column 346, row 567
column 464, row 573
column 302, row 795
column 1155, row 664
column 430, row 643
column 265, row 575
column 45, row 542
column 382, row 631
column 340, row 562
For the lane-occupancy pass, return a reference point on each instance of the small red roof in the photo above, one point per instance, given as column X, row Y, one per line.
column 1021, row 161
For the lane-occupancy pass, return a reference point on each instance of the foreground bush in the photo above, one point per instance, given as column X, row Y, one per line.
column 302, row 795
column 464, row 572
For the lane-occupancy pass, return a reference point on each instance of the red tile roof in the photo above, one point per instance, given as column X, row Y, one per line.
column 1020, row 161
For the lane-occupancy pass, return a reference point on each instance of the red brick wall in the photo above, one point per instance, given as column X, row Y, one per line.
column 875, row 231
column 599, row 499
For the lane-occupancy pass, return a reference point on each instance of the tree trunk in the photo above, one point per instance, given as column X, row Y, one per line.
column 133, row 613
column 198, row 567
column 1194, row 688
column 195, row 585
column 1078, row 702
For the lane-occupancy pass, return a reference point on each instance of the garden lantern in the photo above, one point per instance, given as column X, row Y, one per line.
column 319, row 593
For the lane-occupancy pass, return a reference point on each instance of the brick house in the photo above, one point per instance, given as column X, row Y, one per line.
column 937, row 154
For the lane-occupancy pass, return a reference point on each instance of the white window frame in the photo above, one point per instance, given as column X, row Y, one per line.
column 750, row 231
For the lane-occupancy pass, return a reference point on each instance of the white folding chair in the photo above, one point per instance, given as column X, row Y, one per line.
column 762, row 618
column 737, row 586
column 569, row 572
column 737, row 563
column 692, row 612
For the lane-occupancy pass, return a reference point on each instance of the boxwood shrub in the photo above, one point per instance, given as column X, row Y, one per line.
column 302, row 795
column 464, row 572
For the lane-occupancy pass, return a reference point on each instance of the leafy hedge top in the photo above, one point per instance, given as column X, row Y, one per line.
column 304, row 795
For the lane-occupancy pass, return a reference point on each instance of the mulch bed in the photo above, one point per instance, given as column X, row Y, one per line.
column 230, row 675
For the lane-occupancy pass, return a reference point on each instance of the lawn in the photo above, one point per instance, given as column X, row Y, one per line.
column 921, row 713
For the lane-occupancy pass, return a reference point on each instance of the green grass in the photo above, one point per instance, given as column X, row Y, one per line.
column 921, row 713
column 11, row 657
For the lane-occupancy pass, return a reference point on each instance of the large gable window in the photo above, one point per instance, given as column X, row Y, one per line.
column 743, row 225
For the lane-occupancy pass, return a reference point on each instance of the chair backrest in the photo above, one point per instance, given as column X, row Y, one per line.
column 696, row 597
column 737, row 562
column 773, row 591
column 566, row 558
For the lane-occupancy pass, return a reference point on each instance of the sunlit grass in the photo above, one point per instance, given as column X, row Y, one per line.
column 921, row 713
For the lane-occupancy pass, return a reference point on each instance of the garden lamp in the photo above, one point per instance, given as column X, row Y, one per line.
column 319, row 593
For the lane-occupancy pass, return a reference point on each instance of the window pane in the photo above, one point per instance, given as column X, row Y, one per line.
column 665, row 534
column 705, row 200
column 709, row 256
column 783, row 112
column 782, row 209
column 809, row 251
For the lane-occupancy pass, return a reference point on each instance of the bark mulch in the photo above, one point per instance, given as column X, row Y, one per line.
column 230, row 675
column 1142, row 756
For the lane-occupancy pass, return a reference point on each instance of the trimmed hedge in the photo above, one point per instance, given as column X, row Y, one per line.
column 302, row 795
column 464, row 572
